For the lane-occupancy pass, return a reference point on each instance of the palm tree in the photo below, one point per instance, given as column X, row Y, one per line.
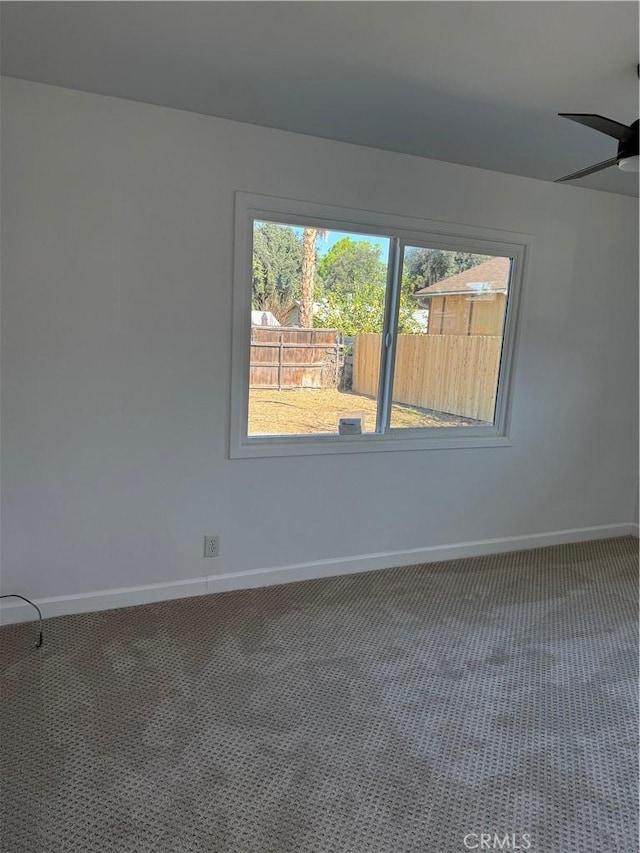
column 307, row 275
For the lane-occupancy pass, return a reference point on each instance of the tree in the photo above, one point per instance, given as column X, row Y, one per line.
column 350, row 264
column 362, row 311
column 277, row 262
column 307, row 275
column 426, row 266
column 423, row 267
column 464, row 261
column 278, row 304
column 354, row 291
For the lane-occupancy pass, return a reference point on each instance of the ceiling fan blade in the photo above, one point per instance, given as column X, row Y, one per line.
column 588, row 171
column 604, row 125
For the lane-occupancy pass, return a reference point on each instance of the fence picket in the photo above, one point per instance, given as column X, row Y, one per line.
column 456, row 374
column 294, row 358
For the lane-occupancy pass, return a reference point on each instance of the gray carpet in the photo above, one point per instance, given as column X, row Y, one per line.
column 403, row 710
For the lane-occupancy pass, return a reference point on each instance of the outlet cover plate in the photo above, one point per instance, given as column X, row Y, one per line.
column 211, row 546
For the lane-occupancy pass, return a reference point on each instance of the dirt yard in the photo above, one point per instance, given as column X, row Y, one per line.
column 311, row 410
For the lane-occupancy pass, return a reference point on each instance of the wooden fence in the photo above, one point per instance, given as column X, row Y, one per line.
column 294, row 358
column 457, row 374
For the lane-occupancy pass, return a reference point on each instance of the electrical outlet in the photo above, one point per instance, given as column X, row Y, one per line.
column 211, row 546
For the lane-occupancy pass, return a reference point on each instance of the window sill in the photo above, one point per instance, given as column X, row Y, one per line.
column 323, row 444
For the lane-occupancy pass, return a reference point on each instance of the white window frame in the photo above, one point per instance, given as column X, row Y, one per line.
column 409, row 231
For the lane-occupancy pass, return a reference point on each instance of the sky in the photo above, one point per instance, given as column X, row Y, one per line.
column 333, row 237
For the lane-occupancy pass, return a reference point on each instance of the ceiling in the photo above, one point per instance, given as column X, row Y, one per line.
column 478, row 83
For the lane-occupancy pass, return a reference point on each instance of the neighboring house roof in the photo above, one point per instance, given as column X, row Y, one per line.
column 490, row 277
column 263, row 318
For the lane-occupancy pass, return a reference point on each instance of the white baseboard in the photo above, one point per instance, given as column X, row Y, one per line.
column 635, row 530
column 14, row 610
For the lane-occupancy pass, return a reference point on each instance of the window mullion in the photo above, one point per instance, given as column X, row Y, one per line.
column 389, row 332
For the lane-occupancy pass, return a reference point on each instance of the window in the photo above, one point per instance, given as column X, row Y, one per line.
column 358, row 331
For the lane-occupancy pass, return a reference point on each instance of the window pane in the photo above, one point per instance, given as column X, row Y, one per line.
column 314, row 294
column 448, row 349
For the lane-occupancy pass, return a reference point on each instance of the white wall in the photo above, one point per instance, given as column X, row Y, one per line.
column 116, row 275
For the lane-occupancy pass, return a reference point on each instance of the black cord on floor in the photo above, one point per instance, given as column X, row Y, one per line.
column 40, row 637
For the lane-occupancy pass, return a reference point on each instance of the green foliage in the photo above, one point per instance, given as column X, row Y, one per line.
column 423, row 267
column 407, row 324
column 277, row 262
column 351, row 268
column 362, row 311
column 352, row 295
column 464, row 261
column 350, row 281
column 349, row 265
